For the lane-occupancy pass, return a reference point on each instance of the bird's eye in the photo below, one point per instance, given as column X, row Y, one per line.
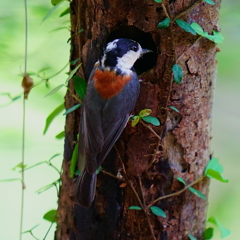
column 134, row 48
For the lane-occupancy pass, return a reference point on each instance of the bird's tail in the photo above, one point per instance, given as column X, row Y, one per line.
column 85, row 187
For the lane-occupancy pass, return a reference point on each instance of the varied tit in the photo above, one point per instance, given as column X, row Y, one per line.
column 112, row 93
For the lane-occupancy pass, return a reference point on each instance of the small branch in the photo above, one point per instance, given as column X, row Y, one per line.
column 176, row 193
column 187, row 10
column 150, row 128
column 50, row 226
column 74, row 95
column 154, row 155
column 165, row 11
column 146, row 214
column 127, row 179
column 111, row 175
column 179, row 58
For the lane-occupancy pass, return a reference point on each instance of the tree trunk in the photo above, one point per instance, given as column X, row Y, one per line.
column 148, row 162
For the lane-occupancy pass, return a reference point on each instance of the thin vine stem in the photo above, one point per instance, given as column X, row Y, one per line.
column 145, row 209
column 176, row 193
column 187, row 10
column 26, row 37
column 22, row 173
column 23, row 121
column 127, row 179
column 150, row 128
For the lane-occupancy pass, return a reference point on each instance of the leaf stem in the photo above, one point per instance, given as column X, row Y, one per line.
column 150, row 128
column 179, row 58
column 111, row 175
column 155, row 154
column 176, row 193
column 187, row 10
column 165, row 11
column 23, row 120
column 127, row 179
column 145, row 209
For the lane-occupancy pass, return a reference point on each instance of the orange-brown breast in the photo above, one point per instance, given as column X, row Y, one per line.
column 108, row 84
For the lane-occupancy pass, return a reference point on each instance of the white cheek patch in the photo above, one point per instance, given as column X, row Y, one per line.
column 126, row 62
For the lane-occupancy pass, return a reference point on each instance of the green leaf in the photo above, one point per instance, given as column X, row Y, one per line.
column 149, row 119
column 19, row 166
column 173, row 108
column 214, row 165
column 51, row 216
column 214, row 170
column 209, row 2
column 197, row 193
column 80, row 86
column 164, row 24
column 73, row 62
column 52, row 10
column 99, row 170
column 45, row 188
column 52, row 115
column 216, row 175
column 55, row 2
column 197, row 28
column 181, row 180
column 73, row 161
column 158, row 211
column 56, row 89
column 191, row 237
column 177, row 73
column 224, row 231
column 135, row 120
column 144, row 112
column 208, row 233
column 65, row 12
column 30, row 230
column 81, row 30
column 52, row 157
column 16, row 98
column 185, row 26
column 59, row 28
column 158, row 1
column 72, row 73
column 11, row 180
column 218, row 37
column 72, row 108
column 60, row 135
column 135, row 208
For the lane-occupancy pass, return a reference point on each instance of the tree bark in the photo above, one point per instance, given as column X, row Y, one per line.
column 149, row 162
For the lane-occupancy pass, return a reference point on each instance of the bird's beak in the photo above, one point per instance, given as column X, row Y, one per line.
column 145, row 51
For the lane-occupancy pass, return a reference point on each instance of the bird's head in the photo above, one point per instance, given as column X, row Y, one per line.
column 121, row 54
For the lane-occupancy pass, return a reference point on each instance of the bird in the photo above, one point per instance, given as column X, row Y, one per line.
column 112, row 92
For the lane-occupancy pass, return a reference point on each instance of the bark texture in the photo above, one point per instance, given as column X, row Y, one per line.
column 152, row 164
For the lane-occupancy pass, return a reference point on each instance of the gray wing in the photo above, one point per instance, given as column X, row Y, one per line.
column 115, row 115
column 91, row 138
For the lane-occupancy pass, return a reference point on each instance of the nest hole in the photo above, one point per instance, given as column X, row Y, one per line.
column 148, row 61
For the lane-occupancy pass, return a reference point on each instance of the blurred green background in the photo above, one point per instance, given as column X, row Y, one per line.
column 51, row 50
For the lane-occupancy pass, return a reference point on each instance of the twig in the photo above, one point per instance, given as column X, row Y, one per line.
column 50, row 226
column 74, row 95
column 154, row 155
column 165, row 11
column 127, row 179
column 23, row 122
column 179, row 58
column 145, row 210
column 176, row 193
column 150, row 128
column 187, row 10
column 111, row 175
